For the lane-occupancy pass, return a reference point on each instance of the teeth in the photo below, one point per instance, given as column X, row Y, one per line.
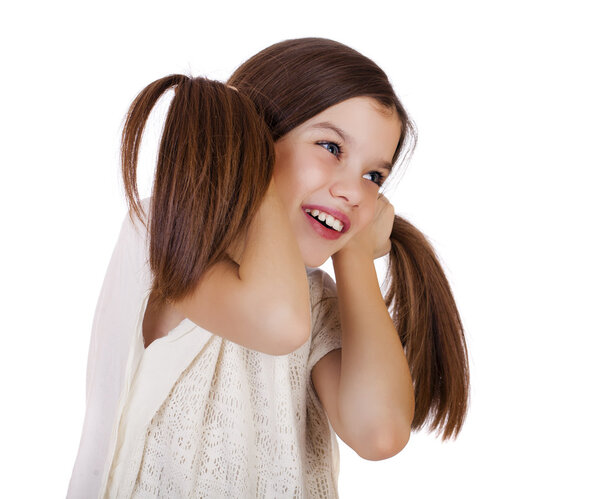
column 330, row 220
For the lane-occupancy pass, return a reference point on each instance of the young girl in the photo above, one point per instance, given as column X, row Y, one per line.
column 222, row 360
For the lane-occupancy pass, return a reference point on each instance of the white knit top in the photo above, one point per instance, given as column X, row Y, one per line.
column 200, row 416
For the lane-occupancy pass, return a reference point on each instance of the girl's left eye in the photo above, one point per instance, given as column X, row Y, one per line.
column 332, row 147
column 375, row 177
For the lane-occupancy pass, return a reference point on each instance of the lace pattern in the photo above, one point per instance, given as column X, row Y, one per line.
column 240, row 423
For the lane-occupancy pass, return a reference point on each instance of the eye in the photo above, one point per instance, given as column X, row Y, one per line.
column 332, row 147
column 375, row 177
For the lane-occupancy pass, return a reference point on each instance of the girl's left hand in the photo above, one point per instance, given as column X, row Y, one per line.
column 375, row 237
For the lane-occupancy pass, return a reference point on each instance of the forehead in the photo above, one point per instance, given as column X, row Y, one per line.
column 357, row 107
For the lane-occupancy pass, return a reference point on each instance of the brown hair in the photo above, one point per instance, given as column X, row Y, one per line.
column 292, row 81
column 214, row 164
column 215, row 161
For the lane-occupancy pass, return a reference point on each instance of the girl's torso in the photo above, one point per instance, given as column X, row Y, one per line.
column 232, row 422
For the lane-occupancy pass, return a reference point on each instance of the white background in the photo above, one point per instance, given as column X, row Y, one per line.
column 504, row 182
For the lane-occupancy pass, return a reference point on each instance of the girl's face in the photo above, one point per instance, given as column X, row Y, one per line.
column 331, row 167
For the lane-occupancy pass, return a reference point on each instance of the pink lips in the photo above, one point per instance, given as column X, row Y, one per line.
column 322, row 230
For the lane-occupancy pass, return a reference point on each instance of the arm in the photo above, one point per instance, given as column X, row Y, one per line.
column 263, row 303
column 366, row 387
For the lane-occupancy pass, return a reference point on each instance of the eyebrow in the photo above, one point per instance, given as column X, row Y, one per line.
column 386, row 165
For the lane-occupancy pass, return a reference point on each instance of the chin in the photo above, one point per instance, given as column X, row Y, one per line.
column 315, row 260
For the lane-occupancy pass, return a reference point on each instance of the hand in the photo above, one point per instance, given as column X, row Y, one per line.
column 374, row 238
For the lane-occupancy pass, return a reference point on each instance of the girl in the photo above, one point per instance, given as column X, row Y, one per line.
column 222, row 360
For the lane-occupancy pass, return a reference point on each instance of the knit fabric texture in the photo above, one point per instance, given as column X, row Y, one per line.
column 237, row 422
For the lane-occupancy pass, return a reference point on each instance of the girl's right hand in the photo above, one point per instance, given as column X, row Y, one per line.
column 374, row 238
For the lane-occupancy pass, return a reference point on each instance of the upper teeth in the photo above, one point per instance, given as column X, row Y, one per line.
column 330, row 220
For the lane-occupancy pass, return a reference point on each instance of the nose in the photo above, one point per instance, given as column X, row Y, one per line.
column 348, row 186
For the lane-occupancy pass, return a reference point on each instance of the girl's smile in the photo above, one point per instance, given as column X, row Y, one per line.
column 330, row 224
column 328, row 172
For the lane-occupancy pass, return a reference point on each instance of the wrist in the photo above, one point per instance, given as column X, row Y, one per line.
column 352, row 254
column 353, row 266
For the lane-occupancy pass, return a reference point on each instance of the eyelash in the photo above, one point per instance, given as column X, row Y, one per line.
column 380, row 178
column 325, row 143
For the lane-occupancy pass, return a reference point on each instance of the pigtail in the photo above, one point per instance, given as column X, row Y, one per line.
column 214, row 164
column 133, row 130
column 426, row 317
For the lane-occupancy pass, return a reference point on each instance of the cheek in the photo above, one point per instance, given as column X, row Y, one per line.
column 289, row 184
column 285, row 179
column 368, row 213
column 365, row 222
column 299, row 179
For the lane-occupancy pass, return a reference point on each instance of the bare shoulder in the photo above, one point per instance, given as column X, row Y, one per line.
column 238, row 311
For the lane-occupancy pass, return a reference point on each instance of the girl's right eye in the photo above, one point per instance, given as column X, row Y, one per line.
column 332, row 147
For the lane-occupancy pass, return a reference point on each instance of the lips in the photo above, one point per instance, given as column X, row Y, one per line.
column 335, row 213
column 322, row 230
